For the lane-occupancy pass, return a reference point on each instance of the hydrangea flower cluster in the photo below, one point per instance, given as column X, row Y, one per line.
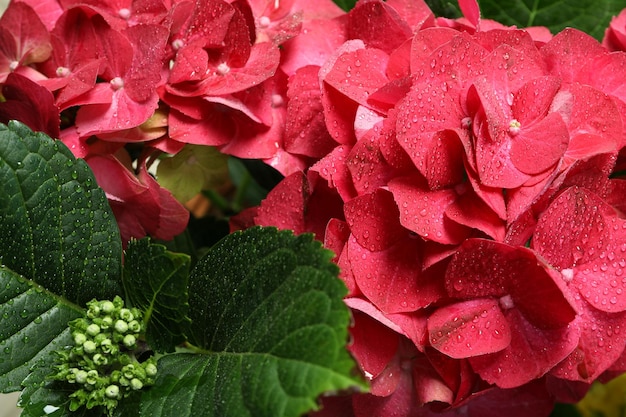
column 101, row 366
column 120, row 83
column 474, row 199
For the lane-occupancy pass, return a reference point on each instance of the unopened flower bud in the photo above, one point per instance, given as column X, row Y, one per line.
column 121, row 326
column 151, row 369
column 89, row 346
column 107, row 307
column 112, row 391
column 136, row 384
column 79, row 338
column 93, row 329
column 125, row 314
column 134, row 326
column 129, row 340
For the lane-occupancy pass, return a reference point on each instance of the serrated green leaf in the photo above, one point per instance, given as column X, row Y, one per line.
column 155, row 281
column 591, row 16
column 56, row 226
column 34, row 324
column 193, row 169
column 267, row 312
column 242, row 385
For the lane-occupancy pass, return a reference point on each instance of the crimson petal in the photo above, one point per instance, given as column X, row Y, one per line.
column 469, row 328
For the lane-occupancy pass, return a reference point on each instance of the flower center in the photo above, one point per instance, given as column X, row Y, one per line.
column 264, row 21
column 514, row 127
column 568, row 275
column 506, row 302
column 63, row 72
column 223, row 68
column 177, row 44
column 277, row 100
column 117, row 83
column 124, row 13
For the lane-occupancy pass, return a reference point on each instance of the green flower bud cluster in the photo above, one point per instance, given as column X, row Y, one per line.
column 102, row 364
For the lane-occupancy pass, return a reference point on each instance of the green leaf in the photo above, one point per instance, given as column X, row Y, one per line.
column 155, row 281
column 268, row 315
column 193, row 169
column 345, row 4
column 34, row 324
column 56, row 226
column 445, row 8
column 591, row 16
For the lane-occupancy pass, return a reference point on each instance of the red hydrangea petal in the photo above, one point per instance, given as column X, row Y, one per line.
column 318, row 41
column 423, row 211
column 372, row 357
column 531, row 354
column 390, row 279
column 378, row 25
column 302, row 204
column 373, row 220
column 305, row 129
column 579, row 217
column 334, row 170
column 602, row 341
column 471, row 211
column 594, row 122
column 470, row 10
column 416, row 13
column 469, row 328
column 479, row 269
column 31, row 104
column 191, row 64
column 367, row 165
column 122, row 113
column 540, row 145
column 532, row 101
column 29, row 34
column 600, row 280
column 358, row 73
column 568, row 52
column 173, row 216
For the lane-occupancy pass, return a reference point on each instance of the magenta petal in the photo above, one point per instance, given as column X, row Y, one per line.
column 531, row 354
column 173, row 216
column 366, row 163
column 122, row 113
column 595, row 123
column 602, row 342
column 469, row 328
column 541, row 145
column 305, row 129
column 390, row 279
column 378, row 25
column 470, row 11
column 358, row 73
column 372, row 357
column 334, row 170
column 423, row 211
column 569, row 51
column 30, row 36
column 191, row 64
column 579, row 216
column 373, row 220
column 532, row 101
column 471, row 211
